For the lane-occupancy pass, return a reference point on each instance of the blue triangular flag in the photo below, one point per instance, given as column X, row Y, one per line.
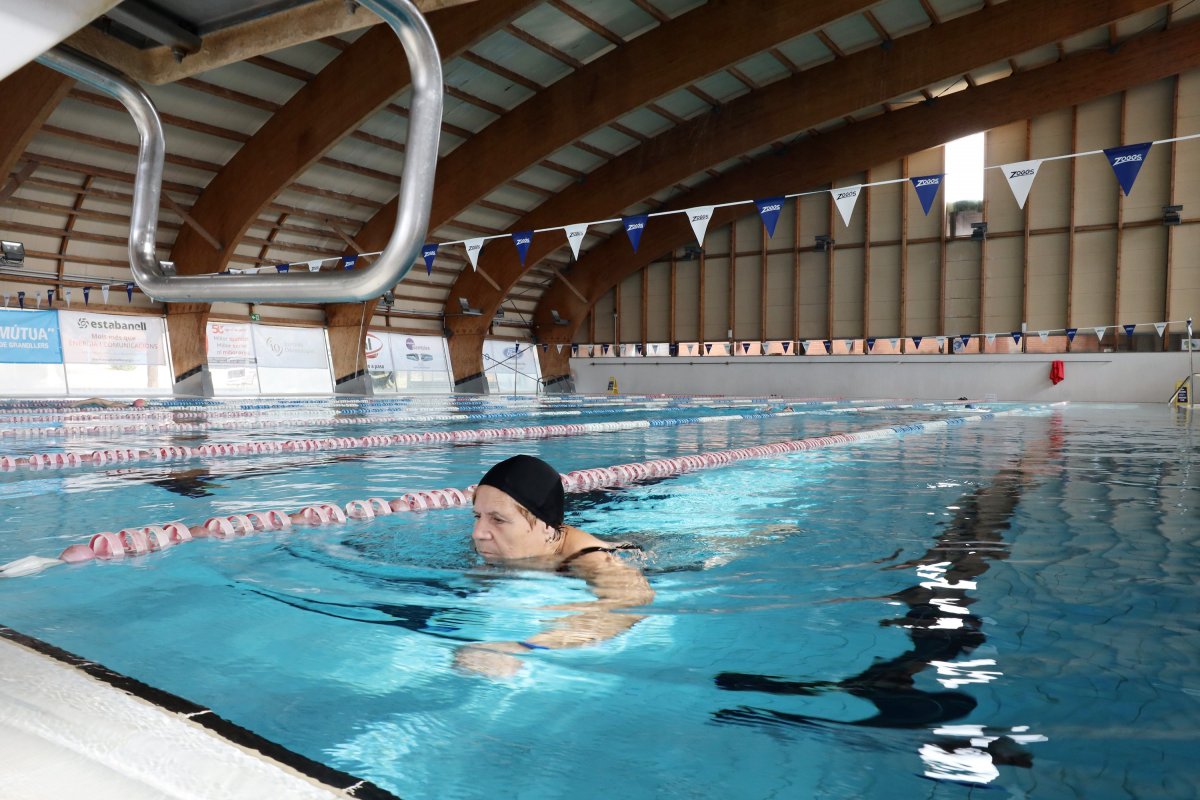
column 828, row 346
column 769, row 209
column 129, row 291
column 870, row 343
column 633, row 228
column 349, row 261
column 429, row 253
column 745, row 348
column 1126, row 162
column 522, row 239
column 927, row 189
column 786, row 346
column 1129, row 329
column 282, row 267
column 707, row 347
column 917, row 342
column 21, row 299
column 1016, row 337
column 49, row 297
column 87, row 290
column 574, row 351
column 965, row 339
column 1071, row 334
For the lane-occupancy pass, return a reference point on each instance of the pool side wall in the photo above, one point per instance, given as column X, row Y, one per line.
column 1090, row 377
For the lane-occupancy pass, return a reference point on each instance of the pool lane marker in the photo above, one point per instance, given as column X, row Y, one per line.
column 142, row 540
column 43, row 461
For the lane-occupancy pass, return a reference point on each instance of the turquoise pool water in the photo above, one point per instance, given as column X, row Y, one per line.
column 1002, row 609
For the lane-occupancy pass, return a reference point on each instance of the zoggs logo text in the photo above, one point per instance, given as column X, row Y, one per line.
column 523, row 240
column 1019, row 173
column 700, row 217
column 635, row 226
column 772, row 207
column 846, row 195
column 927, row 182
column 1119, row 160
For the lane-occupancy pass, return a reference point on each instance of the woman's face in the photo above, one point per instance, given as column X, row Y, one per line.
column 502, row 533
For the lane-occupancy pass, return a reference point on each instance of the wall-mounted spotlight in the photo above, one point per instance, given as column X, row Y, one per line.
column 13, row 254
column 466, row 308
column 1172, row 215
column 824, row 243
column 389, row 299
column 557, row 319
column 499, row 314
column 978, row 231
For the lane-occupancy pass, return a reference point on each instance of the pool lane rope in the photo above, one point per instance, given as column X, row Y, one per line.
column 145, row 539
column 59, row 460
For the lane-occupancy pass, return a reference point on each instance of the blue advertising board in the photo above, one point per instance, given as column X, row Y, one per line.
column 29, row 337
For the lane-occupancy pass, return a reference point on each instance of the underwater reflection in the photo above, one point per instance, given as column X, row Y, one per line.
column 941, row 629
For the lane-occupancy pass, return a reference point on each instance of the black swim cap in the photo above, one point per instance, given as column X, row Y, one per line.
column 531, row 482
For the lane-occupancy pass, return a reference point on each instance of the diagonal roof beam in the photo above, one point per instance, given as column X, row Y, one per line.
column 823, row 158
column 359, row 82
column 28, row 97
column 654, row 64
column 829, row 91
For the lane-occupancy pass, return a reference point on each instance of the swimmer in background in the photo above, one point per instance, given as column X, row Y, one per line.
column 519, row 523
column 100, row 402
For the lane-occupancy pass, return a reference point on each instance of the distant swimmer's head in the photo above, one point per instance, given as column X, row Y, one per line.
column 139, row 403
column 518, row 510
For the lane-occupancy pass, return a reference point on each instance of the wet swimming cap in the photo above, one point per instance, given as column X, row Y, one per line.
column 531, row 482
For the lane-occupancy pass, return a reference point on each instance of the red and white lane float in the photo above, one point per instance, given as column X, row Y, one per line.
column 136, row 541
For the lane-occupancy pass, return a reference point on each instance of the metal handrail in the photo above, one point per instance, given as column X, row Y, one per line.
column 416, row 184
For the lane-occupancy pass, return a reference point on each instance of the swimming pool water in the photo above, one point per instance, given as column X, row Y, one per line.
column 1007, row 607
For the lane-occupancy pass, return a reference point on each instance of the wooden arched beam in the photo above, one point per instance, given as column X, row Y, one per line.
column 821, row 159
column 654, row 64
column 829, row 92
column 356, row 84
column 28, row 96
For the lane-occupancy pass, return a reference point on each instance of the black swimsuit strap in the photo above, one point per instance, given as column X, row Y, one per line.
column 566, row 562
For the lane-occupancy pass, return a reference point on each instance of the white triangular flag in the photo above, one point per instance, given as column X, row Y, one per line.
column 473, row 247
column 699, row 217
column 104, row 293
column 1160, row 327
column 575, row 234
column 1020, row 175
column 807, row 344
column 991, row 338
column 895, row 343
column 941, row 340
column 1043, row 335
column 315, row 266
column 67, row 294
column 1100, row 334
column 560, row 347
column 37, row 300
column 845, row 197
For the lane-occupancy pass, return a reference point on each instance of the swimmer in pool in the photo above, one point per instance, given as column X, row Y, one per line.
column 100, row 402
column 519, row 522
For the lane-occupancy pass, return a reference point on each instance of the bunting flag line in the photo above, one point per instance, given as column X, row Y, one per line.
column 575, row 234
column 283, row 268
column 845, row 198
column 37, row 300
column 1126, row 162
column 786, row 347
column 870, row 343
column 1160, row 327
column 807, row 345
column 707, row 348
column 1020, row 175
column 574, row 350
column 129, row 291
column 104, row 293
column 927, row 187
column 1016, row 336
column 429, row 253
column 828, row 346
column 769, row 209
column 315, row 265
column 941, row 342
column 965, row 339
column 67, row 296
column 1071, row 334
column 895, row 343
column 473, row 247
column 991, row 338
column 604, row 350
column 699, row 218
column 21, row 299
column 50, row 297
column 522, row 239
column 1043, row 335
column 634, row 226
column 87, row 290
column 917, row 342
column 349, row 261
column 1099, row 334
column 1129, row 329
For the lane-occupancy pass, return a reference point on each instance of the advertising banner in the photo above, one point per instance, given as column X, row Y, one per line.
column 418, row 353
column 29, row 337
column 379, row 354
column 109, row 339
column 229, row 344
column 297, row 348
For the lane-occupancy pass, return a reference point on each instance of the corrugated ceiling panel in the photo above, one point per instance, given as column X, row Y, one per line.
column 1088, row 40
column 763, row 68
column 684, row 104
column 645, row 122
column 806, row 51
column 852, row 33
column 899, row 17
column 182, row 101
column 574, row 158
column 563, row 33
column 949, row 9
column 545, row 179
column 507, row 50
column 514, row 197
column 485, row 218
column 673, row 8
column 610, row 140
column 485, row 84
column 992, row 72
column 311, row 56
column 722, row 86
column 246, row 78
column 624, row 19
